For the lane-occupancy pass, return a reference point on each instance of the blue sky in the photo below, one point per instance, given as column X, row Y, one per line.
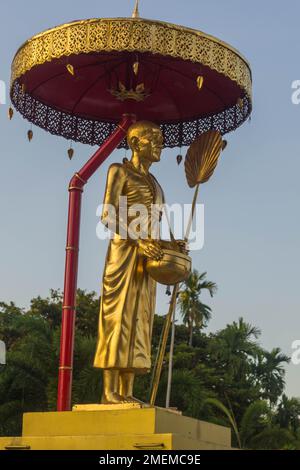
column 252, row 228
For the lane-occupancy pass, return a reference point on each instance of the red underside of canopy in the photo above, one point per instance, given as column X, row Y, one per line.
column 171, row 83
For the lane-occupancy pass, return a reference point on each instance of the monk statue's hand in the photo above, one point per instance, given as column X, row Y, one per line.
column 183, row 246
column 150, row 249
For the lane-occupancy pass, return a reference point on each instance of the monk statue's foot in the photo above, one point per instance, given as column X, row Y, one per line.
column 113, row 398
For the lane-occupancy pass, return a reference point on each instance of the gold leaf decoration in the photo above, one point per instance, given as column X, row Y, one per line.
column 70, row 69
column 140, row 88
column 30, row 135
column 179, row 159
column 10, row 113
column 240, row 103
column 136, row 68
column 200, row 81
column 202, row 157
column 122, row 94
column 70, row 153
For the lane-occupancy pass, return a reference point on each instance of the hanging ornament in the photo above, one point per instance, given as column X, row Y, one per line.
column 70, row 69
column 168, row 290
column 240, row 103
column 224, row 144
column 179, row 159
column 200, row 81
column 71, row 152
column 10, row 113
column 30, row 135
column 136, row 67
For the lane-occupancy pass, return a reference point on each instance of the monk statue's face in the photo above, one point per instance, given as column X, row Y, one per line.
column 146, row 140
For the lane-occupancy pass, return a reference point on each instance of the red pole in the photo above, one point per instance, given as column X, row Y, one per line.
column 71, row 263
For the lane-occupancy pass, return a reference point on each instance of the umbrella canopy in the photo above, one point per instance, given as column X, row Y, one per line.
column 78, row 79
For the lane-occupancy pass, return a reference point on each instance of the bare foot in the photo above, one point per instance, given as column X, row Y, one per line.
column 113, row 398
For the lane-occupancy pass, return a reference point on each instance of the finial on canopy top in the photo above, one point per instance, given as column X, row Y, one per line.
column 135, row 13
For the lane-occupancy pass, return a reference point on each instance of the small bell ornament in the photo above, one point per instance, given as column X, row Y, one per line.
column 70, row 69
column 10, row 113
column 136, row 68
column 179, row 159
column 70, row 153
column 30, row 135
column 200, row 81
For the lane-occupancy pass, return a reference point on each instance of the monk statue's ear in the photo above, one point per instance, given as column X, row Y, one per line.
column 134, row 143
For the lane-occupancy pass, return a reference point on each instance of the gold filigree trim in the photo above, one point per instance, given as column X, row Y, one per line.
column 133, row 35
column 122, row 94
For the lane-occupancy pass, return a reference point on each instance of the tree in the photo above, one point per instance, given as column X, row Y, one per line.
column 270, row 373
column 256, row 430
column 288, row 414
column 25, row 378
column 232, row 352
column 193, row 311
column 28, row 382
column 49, row 308
column 229, row 366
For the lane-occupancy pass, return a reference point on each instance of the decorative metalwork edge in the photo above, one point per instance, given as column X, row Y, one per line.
column 79, row 129
column 133, row 35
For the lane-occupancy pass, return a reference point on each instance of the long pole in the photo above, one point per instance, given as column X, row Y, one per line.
column 71, row 264
column 170, row 313
column 170, row 370
column 163, row 345
column 189, row 225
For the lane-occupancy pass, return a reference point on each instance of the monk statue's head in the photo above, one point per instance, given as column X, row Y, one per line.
column 145, row 140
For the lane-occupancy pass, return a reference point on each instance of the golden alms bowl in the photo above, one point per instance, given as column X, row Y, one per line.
column 175, row 266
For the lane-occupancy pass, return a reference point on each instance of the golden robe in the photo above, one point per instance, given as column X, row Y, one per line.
column 128, row 292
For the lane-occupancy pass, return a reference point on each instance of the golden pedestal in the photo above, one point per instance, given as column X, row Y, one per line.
column 105, row 427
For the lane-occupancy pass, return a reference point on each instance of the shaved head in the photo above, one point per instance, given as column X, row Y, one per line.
column 141, row 129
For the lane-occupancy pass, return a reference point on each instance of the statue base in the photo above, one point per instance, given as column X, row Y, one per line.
column 117, row 427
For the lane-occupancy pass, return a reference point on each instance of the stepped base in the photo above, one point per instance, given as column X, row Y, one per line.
column 98, row 427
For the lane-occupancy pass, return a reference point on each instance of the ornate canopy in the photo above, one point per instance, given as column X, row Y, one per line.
column 76, row 80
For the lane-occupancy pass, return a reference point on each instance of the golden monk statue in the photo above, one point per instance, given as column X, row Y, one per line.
column 128, row 292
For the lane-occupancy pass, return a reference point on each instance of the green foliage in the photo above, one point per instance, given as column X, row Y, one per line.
column 257, row 430
column 193, row 311
column 229, row 415
column 224, row 377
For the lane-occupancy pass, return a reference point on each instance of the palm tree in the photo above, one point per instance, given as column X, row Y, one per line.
column 288, row 414
column 256, row 429
column 270, row 372
column 193, row 311
column 236, row 346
